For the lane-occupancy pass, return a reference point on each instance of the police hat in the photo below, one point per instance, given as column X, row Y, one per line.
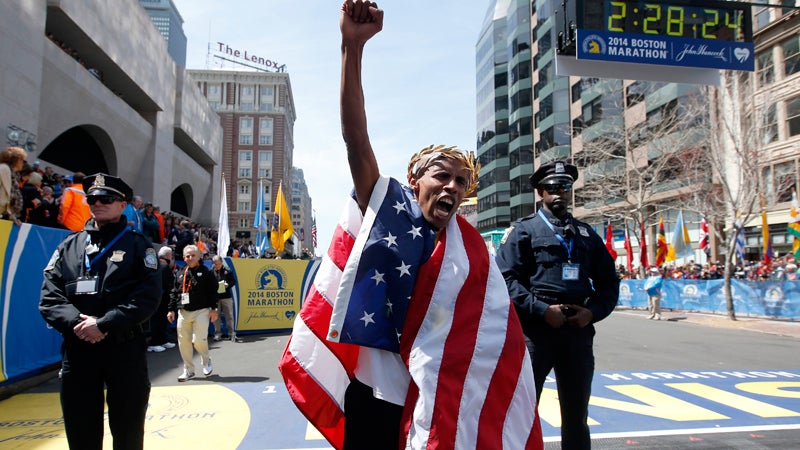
column 102, row 184
column 554, row 172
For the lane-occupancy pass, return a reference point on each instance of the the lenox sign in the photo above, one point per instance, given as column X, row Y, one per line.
column 263, row 63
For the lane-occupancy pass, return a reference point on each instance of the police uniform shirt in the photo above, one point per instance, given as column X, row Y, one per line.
column 532, row 261
column 128, row 288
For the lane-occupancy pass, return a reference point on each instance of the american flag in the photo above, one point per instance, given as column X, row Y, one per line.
column 471, row 380
column 703, row 241
column 314, row 233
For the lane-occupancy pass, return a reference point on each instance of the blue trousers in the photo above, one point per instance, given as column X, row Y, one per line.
column 121, row 369
column 568, row 352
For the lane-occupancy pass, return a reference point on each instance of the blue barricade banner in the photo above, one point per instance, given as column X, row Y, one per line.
column 267, row 297
column 779, row 299
column 27, row 343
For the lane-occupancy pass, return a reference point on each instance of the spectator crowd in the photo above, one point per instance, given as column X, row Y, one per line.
column 778, row 269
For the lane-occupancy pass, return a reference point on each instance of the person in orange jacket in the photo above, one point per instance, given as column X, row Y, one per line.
column 74, row 209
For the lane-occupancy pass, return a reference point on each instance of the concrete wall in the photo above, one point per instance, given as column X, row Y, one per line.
column 158, row 130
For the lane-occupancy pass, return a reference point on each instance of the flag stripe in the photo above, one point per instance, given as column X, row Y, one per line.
column 317, row 372
column 483, row 342
column 461, row 342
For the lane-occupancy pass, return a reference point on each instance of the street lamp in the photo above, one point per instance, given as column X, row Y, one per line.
column 19, row 137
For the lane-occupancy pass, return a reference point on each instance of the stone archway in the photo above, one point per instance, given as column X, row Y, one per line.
column 84, row 148
column 181, row 200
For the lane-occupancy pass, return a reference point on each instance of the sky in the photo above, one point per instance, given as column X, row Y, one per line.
column 418, row 77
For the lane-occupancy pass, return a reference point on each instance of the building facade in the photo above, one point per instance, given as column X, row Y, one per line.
column 89, row 86
column 504, row 115
column 257, row 114
column 776, row 97
column 169, row 23
column 302, row 212
column 632, row 139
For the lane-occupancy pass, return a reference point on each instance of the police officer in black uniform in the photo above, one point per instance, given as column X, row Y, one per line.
column 100, row 285
column 562, row 280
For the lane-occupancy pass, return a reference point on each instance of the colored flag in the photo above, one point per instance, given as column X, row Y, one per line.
column 794, row 226
column 661, row 248
column 282, row 229
column 681, row 246
column 223, row 230
column 703, row 243
column 740, row 240
column 643, row 248
column 260, row 222
column 478, row 345
column 314, row 232
column 610, row 242
column 628, row 250
column 766, row 240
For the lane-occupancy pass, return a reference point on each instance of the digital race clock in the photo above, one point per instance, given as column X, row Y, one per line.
column 713, row 20
column 708, row 34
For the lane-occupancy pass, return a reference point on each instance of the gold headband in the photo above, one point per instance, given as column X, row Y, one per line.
column 423, row 159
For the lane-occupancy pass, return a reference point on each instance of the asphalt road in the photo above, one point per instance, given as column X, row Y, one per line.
column 676, row 383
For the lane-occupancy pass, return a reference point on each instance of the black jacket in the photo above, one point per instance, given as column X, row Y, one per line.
column 128, row 286
column 531, row 259
column 201, row 283
column 224, row 274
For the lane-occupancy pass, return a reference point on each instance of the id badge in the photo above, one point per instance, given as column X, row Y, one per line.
column 86, row 285
column 570, row 271
column 184, row 298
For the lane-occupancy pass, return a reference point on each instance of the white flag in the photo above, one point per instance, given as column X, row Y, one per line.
column 223, row 232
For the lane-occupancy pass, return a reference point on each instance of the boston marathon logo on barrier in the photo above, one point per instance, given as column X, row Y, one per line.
column 271, row 296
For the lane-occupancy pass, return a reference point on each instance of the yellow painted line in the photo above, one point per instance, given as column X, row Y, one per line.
column 740, row 402
column 203, row 416
column 772, row 388
column 655, row 404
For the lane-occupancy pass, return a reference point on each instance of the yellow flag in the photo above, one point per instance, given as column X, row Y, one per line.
column 281, row 229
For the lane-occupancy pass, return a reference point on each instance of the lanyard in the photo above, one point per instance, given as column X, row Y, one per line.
column 184, row 287
column 105, row 249
column 559, row 237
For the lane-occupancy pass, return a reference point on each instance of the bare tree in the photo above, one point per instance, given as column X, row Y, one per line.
column 635, row 167
column 734, row 159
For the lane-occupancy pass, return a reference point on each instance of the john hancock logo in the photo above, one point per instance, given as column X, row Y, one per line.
column 271, row 278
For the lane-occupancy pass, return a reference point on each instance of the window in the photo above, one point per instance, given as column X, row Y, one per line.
column 244, row 223
column 785, row 181
column 793, row 116
column 213, row 90
column 245, row 172
column 246, row 125
column 247, row 91
column 791, row 55
column 244, row 189
column 246, row 106
column 243, row 206
column 265, row 164
column 245, row 156
column 762, row 17
column 766, row 68
column 265, row 126
column 245, row 139
column 769, row 128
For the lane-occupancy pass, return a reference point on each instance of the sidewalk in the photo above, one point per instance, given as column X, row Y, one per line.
column 758, row 324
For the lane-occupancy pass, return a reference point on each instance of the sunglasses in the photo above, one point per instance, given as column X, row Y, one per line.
column 104, row 199
column 555, row 188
